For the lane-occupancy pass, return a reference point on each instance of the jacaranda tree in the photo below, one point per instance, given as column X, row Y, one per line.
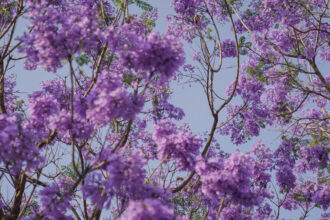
column 101, row 139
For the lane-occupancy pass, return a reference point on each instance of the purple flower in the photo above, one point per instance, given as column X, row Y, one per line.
column 17, row 149
column 186, row 7
column 313, row 158
column 125, row 179
column 231, row 177
column 109, row 100
column 55, row 37
column 54, row 203
column 234, row 212
column 285, row 177
column 160, row 55
column 177, row 144
column 228, row 48
column 148, row 209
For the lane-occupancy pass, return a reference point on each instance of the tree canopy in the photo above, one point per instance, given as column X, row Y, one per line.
column 102, row 140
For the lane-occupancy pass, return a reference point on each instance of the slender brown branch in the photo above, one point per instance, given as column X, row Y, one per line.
column 205, row 150
column 2, row 88
column 73, row 73
column 98, row 66
column 20, row 181
column 215, row 115
column 124, row 138
column 13, row 21
column 237, row 62
column 47, row 140
column 319, row 74
column 221, row 206
column 9, row 41
column 29, row 198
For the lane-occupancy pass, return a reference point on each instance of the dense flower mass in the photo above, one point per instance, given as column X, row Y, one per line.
column 41, row 107
column 285, row 177
column 11, row 99
column 17, row 150
column 230, row 177
column 250, row 119
column 124, row 180
column 55, row 37
column 178, row 144
column 160, row 55
column 106, row 137
column 110, row 100
column 186, row 7
column 262, row 165
column 234, row 212
column 313, row 158
column 228, row 48
column 54, row 203
column 148, row 209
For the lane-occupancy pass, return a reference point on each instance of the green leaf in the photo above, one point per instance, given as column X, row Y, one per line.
column 120, row 4
column 69, row 170
column 242, row 39
column 250, row 70
column 248, row 12
column 143, row 5
column 19, row 102
column 248, row 44
column 83, row 59
column 262, row 124
column 150, row 23
column 242, row 51
column 128, row 79
column 314, row 143
column 298, row 197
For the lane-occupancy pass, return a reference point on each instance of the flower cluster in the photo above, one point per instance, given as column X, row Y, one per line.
column 109, row 100
column 124, row 179
column 228, row 48
column 17, row 150
column 229, row 177
column 149, row 209
column 10, row 97
column 285, row 160
column 55, row 202
column 49, row 110
column 186, row 8
column 307, row 193
column 176, row 143
column 252, row 115
column 313, row 158
column 56, row 37
column 160, row 55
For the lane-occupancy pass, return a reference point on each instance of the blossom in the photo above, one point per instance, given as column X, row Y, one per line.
column 54, row 203
column 177, row 144
column 148, row 209
column 160, row 55
column 231, row 177
column 17, row 150
column 125, row 178
column 109, row 100
column 228, row 48
column 285, row 177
